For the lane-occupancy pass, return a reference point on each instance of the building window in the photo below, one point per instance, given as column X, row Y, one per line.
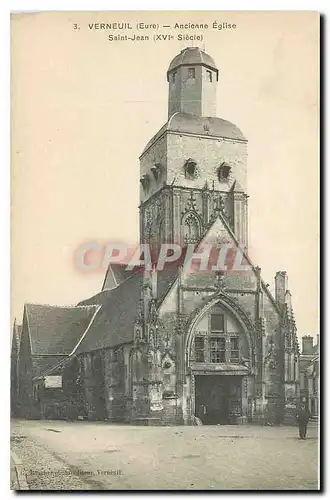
column 190, row 168
column 199, row 349
column 217, row 323
column 213, row 343
column 218, row 350
column 173, row 76
column 234, row 349
column 191, row 228
column 191, row 73
column 209, row 75
column 223, row 172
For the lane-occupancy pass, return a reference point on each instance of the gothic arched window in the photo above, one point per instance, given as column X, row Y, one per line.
column 191, row 228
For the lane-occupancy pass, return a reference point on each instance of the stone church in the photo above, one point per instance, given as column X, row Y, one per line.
column 169, row 345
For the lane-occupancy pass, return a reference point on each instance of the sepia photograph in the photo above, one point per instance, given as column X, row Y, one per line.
column 165, row 178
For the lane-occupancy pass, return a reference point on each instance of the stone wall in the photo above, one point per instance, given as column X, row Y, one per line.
column 209, row 153
column 156, row 154
column 170, row 152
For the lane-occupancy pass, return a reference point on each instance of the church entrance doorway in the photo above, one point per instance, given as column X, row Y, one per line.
column 218, row 398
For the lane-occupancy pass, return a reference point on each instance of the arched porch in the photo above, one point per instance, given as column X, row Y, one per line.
column 220, row 362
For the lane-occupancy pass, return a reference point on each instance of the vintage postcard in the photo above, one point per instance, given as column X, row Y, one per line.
column 165, row 250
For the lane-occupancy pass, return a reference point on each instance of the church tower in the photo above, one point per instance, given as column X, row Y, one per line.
column 195, row 166
column 192, row 77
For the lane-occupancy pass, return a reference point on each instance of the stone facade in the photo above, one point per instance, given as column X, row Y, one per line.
column 176, row 358
column 169, row 346
column 198, row 196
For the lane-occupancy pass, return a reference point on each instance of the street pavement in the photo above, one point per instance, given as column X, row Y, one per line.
column 60, row 455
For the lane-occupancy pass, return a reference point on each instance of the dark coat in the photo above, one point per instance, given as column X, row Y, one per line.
column 303, row 416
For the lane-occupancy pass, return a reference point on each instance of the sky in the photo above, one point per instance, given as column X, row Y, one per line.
column 83, row 108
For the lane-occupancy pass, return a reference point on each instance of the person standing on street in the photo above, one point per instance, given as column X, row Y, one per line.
column 303, row 417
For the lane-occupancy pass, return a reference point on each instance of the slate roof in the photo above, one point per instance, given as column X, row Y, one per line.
column 201, row 125
column 114, row 323
column 42, row 364
column 56, row 330
column 192, row 56
column 198, row 125
column 165, row 279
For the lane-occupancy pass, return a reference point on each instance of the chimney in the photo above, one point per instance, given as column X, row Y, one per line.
column 307, row 344
column 281, row 284
column 318, row 339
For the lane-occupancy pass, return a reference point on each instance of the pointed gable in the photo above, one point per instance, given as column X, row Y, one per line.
column 239, row 280
column 217, row 235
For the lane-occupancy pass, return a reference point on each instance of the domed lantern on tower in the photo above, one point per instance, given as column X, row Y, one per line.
column 192, row 77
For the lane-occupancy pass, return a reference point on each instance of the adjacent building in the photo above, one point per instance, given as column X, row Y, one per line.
column 310, row 373
column 48, row 338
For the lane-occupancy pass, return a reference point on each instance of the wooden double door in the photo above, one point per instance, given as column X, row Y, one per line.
column 218, row 398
